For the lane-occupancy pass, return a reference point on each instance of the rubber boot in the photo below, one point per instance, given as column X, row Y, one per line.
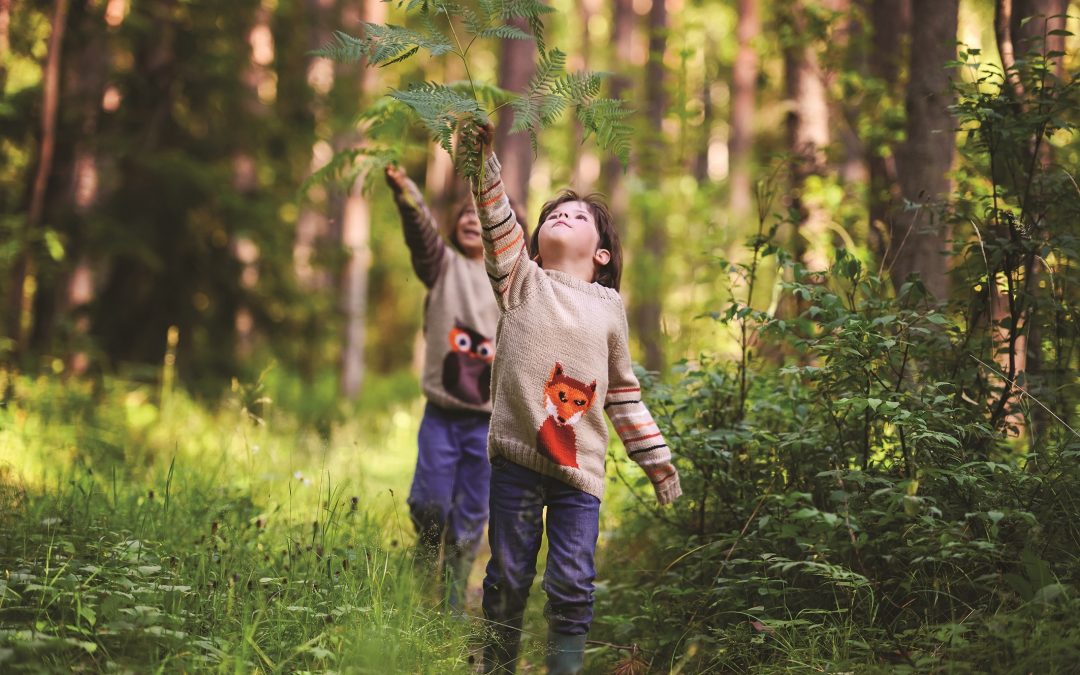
column 501, row 651
column 457, row 564
column 566, row 654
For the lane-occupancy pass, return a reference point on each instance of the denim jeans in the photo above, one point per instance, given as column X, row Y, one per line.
column 449, row 495
column 518, row 498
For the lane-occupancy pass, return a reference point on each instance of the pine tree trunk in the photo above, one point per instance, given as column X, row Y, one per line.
column 651, row 250
column 86, row 75
column 919, row 236
column 623, row 22
column 890, row 23
column 744, row 73
column 24, row 262
column 516, row 66
column 808, row 138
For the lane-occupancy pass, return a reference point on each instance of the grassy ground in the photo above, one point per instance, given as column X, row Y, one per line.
column 150, row 534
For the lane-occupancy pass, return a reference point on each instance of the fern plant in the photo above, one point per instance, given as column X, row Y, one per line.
column 451, row 29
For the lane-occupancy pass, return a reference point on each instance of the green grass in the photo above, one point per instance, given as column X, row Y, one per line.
column 169, row 538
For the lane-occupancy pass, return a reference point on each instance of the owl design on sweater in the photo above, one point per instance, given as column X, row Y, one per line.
column 467, row 367
column 565, row 400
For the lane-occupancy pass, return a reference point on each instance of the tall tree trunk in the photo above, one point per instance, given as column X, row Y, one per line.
column 356, row 239
column 744, row 73
column 648, row 273
column 918, row 237
column 312, row 224
column 5, row 39
column 623, row 22
column 808, row 137
column 516, row 67
column 18, row 302
column 87, row 74
column 890, row 23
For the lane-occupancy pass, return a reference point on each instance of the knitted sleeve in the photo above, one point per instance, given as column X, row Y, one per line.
column 506, row 253
column 426, row 247
column 635, row 425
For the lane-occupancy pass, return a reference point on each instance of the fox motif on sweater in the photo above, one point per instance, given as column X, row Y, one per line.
column 566, row 400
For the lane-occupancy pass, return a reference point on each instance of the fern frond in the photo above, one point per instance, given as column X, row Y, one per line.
column 343, row 48
column 440, row 109
column 548, row 68
column 347, row 165
column 606, row 119
column 579, row 87
column 532, row 11
column 504, row 32
column 384, row 44
column 487, row 94
column 386, row 120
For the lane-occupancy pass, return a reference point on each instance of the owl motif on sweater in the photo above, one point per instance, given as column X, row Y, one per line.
column 565, row 400
column 467, row 367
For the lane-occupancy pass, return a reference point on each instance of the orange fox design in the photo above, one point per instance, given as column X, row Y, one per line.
column 565, row 400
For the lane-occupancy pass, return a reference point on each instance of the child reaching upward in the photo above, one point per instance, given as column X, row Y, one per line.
column 563, row 361
column 448, row 501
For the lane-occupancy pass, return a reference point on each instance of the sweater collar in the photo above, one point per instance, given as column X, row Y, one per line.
column 580, row 284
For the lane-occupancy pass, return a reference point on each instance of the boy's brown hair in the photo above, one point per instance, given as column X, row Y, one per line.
column 610, row 274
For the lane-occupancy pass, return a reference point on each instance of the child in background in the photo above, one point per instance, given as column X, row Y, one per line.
column 448, row 501
column 563, row 359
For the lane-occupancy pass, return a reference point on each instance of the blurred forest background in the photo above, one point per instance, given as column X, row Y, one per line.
column 154, row 152
column 851, row 229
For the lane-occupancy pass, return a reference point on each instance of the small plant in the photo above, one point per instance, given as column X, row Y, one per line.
column 449, row 29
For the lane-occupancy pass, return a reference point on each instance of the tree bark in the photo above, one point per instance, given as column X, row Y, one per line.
column 356, row 239
column 744, row 73
column 890, row 24
column 24, row 262
column 516, row 67
column 5, row 39
column 919, row 236
column 808, row 137
column 623, row 22
column 648, row 274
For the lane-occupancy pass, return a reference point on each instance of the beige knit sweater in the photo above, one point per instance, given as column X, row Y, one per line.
column 460, row 313
column 563, row 359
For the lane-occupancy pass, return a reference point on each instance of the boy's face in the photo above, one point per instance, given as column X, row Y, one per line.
column 467, row 234
column 569, row 231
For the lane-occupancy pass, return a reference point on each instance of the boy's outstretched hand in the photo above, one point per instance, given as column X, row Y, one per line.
column 477, row 137
column 396, row 177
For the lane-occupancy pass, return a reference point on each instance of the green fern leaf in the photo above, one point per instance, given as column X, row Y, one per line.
column 504, row 32
column 606, row 119
column 440, row 109
column 579, row 87
column 486, row 93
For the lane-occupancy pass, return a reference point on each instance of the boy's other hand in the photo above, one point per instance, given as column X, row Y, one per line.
column 396, row 177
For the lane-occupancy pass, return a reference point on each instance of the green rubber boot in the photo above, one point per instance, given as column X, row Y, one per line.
column 457, row 564
column 501, row 651
column 566, row 654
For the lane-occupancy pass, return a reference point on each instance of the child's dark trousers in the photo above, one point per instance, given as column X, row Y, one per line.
column 518, row 498
column 449, row 497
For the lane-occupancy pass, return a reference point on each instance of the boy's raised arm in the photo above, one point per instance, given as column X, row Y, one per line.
column 634, row 423
column 506, row 253
column 426, row 247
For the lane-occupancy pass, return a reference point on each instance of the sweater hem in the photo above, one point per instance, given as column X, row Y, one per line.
column 528, row 457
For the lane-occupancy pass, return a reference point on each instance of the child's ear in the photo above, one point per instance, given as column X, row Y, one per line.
column 601, row 257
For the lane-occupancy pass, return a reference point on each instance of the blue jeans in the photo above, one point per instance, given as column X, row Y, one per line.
column 518, row 498
column 449, row 495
